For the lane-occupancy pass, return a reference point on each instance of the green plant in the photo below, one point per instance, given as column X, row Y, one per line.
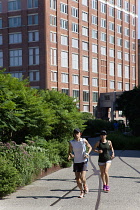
column 9, row 177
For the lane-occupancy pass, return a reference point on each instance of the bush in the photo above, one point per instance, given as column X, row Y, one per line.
column 9, row 177
column 122, row 142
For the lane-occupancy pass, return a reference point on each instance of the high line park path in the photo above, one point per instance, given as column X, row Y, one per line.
column 58, row 191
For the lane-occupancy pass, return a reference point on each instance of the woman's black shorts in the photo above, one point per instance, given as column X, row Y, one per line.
column 79, row 167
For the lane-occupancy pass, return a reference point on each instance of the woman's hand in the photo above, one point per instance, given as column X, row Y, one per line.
column 100, row 151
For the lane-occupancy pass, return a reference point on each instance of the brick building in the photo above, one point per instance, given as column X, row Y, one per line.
column 83, row 48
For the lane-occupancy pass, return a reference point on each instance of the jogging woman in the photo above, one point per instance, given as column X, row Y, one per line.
column 78, row 150
column 103, row 147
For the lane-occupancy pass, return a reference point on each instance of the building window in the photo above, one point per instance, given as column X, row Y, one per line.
column 119, row 85
column 119, row 3
column 107, row 97
column 34, row 75
column 133, row 58
column 111, row 26
column 126, row 86
column 103, row 50
column 53, row 20
column 75, row 79
column 103, row 8
column 85, row 63
column 95, row 96
column 126, row 6
column 94, row 65
column 34, row 56
column 126, row 31
column 66, row 91
column 112, row 84
column 53, row 56
column 127, row 72
column 32, row 4
column 94, row 34
column 119, row 54
column 126, row 44
column 85, row 108
column 94, row 48
column 64, row 8
column 76, row 94
column 74, row 43
column 64, row 77
column 119, row 42
column 119, row 70
column 54, row 76
column 111, row 53
column 15, row 21
column 95, row 82
column 53, row 37
column 64, row 59
column 94, row 19
column 33, row 19
column 1, row 58
column 75, row 63
column 84, row 31
column 74, row 12
column 133, row 73
column 15, row 57
column 0, row 22
column 111, row 68
column 85, row 80
column 64, row 40
column 111, row 11
column 94, row 4
column 53, row 4
column 119, row 29
column 111, row 39
column 85, row 16
column 1, row 40
column 133, row 9
column 14, row 5
column 75, row 27
column 103, row 23
column 103, row 37
column 127, row 56
column 85, row 45
column 126, row 18
column 33, row 36
column 85, row 95
column 119, row 14
column 15, row 38
column 85, row 2
column 17, row 75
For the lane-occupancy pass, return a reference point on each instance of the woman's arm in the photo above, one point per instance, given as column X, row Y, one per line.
column 95, row 148
column 70, row 155
column 111, row 147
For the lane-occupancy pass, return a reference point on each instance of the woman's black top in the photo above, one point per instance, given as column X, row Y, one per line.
column 105, row 156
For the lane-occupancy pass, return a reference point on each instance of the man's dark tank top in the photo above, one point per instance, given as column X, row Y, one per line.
column 105, row 156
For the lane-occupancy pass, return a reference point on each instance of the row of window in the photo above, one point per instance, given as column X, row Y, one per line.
column 15, row 21
column 75, row 26
column 85, row 45
column 14, row 5
column 85, row 60
column 15, row 56
column 103, row 6
column 16, row 38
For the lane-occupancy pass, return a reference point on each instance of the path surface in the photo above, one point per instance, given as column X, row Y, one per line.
column 58, row 190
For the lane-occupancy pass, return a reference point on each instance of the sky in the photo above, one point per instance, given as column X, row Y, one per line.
column 139, row 19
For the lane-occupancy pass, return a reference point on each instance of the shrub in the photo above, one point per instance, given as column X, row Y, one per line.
column 9, row 177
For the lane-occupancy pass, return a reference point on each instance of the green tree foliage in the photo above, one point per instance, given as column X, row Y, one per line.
column 26, row 112
column 129, row 103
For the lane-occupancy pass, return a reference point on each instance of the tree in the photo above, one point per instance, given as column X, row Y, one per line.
column 129, row 103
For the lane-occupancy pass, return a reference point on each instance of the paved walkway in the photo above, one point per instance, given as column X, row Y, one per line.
column 58, row 190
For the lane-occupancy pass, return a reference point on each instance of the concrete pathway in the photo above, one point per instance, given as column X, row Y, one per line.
column 58, row 191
